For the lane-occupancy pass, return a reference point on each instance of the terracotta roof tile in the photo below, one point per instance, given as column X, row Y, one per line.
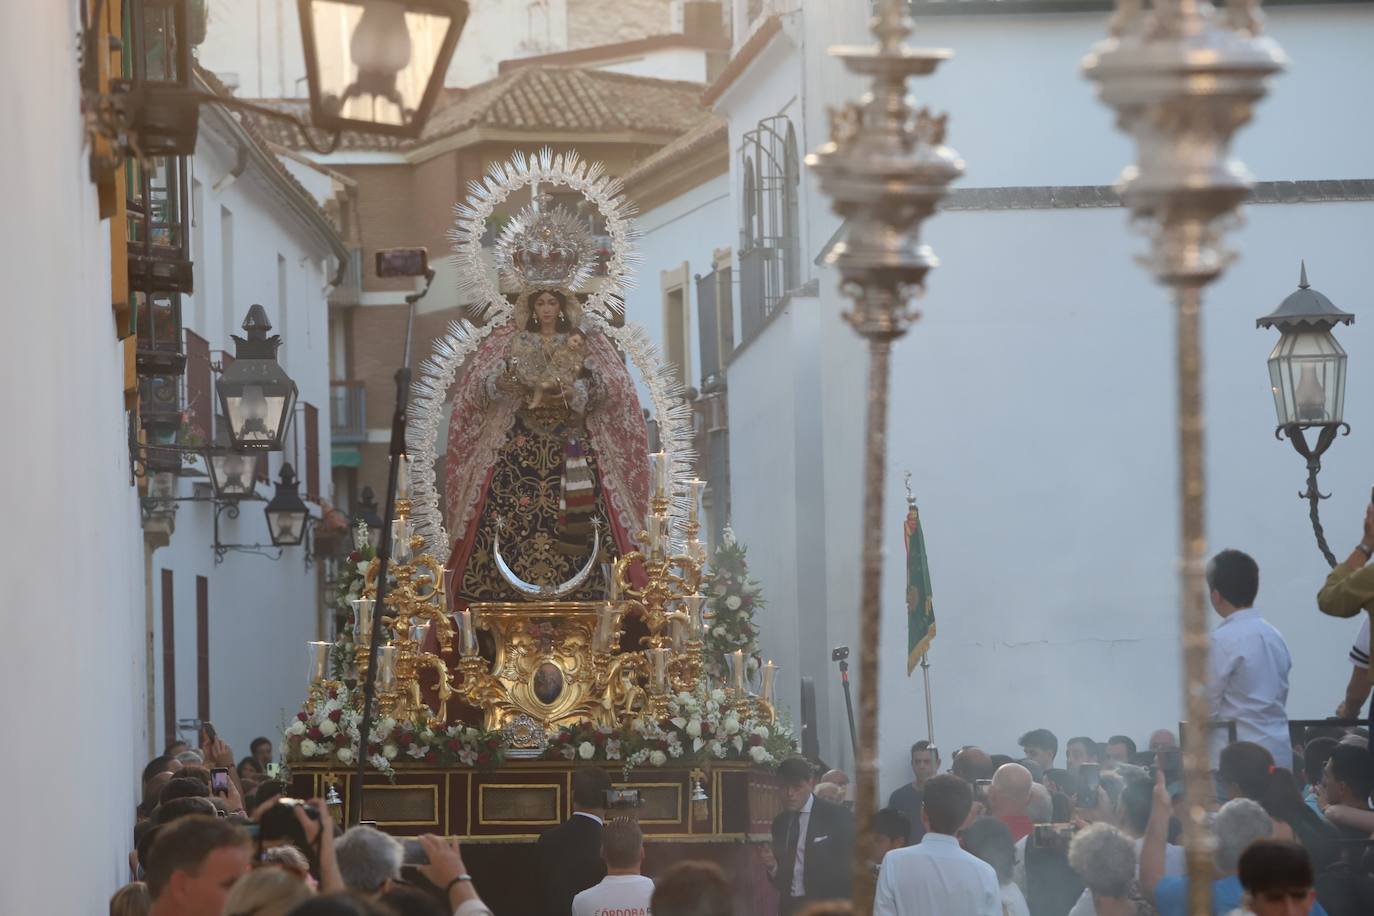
column 710, row 130
column 532, row 99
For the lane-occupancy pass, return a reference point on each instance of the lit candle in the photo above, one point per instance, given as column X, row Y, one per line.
column 400, row 540
column 692, row 604
column 770, row 671
column 403, row 477
column 467, row 634
column 678, row 630
column 660, row 466
column 737, row 671
column 362, row 618
column 319, row 660
column 694, row 488
column 658, row 667
column 605, row 627
column 386, row 667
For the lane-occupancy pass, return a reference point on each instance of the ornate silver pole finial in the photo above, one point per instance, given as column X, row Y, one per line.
column 885, row 169
column 1182, row 80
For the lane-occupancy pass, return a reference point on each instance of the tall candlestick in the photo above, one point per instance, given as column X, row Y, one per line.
column 403, row 477
column 319, row 660
column 770, row 672
column 692, row 604
column 660, row 466
column 362, row 618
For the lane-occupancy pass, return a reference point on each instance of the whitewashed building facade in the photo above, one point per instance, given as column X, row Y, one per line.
column 1033, row 403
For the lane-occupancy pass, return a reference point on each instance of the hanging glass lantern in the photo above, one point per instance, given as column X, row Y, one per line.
column 256, row 394
column 232, row 473
column 1307, row 365
column 287, row 513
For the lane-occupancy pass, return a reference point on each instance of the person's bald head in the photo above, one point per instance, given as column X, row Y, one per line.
column 1162, row 740
column 838, row 777
column 1010, row 791
column 972, row 764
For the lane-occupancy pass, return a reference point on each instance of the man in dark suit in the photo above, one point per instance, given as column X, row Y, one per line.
column 812, row 854
column 570, row 854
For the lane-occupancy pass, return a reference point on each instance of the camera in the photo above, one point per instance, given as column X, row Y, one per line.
column 402, row 262
column 1053, row 836
column 839, row 653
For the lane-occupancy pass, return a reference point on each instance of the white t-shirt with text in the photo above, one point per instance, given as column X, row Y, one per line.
column 616, row 895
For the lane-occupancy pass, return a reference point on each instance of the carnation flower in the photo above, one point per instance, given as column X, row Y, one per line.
column 585, row 750
column 328, row 728
column 658, row 758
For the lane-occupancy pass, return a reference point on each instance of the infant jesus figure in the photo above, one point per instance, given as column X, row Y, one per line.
column 557, row 373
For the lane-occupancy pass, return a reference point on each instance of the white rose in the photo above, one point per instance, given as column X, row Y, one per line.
column 760, row 754
column 309, row 748
column 693, row 728
column 731, row 724
column 733, row 602
column 328, row 728
column 345, row 754
column 658, row 758
column 297, row 727
column 718, row 695
column 684, row 698
column 585, row 750
column 389, row 751
column 762, row 731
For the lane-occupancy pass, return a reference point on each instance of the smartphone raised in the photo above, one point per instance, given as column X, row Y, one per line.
column 219, row 781
column 1089, row 778
column 414, row 853
column 1171, row 762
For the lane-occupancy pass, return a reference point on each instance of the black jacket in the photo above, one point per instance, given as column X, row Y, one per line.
column 569, row 862
column 827, row 870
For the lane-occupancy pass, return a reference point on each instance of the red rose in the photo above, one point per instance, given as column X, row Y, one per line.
column 661, row 744
column 454, row 745
column 493, row 743
column 599, row 739
column 335, row 715
column 404, row 739
column 334, row 695
column 314, row 733
column 431, row 757
column 755, row 740
column 341, row 740
column 483, row 758
column 354, row 557
column 374, row 748
column 302, row 716
column 564, row 738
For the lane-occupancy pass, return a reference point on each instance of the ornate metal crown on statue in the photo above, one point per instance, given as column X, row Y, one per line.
column 592, row 611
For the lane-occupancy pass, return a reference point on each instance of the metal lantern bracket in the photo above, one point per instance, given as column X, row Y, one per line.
column 269, row 550
column 1295, row 433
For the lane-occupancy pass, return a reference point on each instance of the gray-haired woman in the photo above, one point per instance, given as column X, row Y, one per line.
column 1105, row 859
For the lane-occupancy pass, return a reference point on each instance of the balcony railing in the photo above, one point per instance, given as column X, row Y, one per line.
column 760, row 286
column 347, row 412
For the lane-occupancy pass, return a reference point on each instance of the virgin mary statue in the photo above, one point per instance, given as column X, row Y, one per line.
column 547, row 446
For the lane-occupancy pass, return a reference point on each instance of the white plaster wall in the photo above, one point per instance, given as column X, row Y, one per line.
column 260, row 612
column 688, row 228
column 1034, row 408
column 1020, row 113
column 687, row 64
column 72, row 558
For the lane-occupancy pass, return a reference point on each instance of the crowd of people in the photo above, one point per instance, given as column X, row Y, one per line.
column 1290, row 821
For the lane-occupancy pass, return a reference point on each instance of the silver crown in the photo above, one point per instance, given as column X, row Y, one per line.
column 546, row 246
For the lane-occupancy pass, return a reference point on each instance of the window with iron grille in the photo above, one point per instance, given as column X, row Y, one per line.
column 770, row 243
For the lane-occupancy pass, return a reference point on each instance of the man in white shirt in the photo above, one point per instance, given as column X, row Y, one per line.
column 624, row 891
column 937, row 877
column 1249, row 661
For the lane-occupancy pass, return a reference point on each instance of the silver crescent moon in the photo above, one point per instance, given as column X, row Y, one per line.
column 529, row 589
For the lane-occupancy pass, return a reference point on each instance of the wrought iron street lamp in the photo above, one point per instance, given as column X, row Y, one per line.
column 1307, row 374
column 287, row 514
column 256, row 393
column 232, row 473
column 377, row 65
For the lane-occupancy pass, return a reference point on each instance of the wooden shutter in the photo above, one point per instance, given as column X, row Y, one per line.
column 169, row 660
column 199, row 399
column 725, row 310
column 203, row 648
column 706, row 325
column 312, row 453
